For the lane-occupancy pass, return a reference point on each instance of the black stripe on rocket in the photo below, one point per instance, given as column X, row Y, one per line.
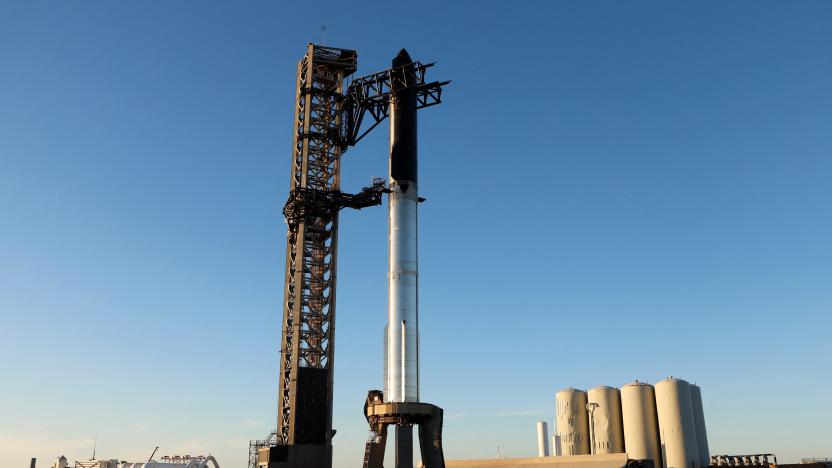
column 403, row 150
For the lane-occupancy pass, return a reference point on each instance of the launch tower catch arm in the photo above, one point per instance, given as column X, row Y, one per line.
column 371, row 95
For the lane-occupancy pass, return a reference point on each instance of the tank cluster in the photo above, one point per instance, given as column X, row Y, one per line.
column 665, row 423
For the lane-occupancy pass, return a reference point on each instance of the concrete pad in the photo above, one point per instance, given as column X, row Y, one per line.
column 615, row 460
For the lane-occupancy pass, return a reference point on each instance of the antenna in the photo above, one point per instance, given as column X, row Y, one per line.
column 151, row 455
column 323, row 34
column 94, row 446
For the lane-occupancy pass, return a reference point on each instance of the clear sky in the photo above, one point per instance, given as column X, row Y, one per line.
column 616, row 191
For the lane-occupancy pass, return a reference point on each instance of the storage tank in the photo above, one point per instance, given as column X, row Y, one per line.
column 542, row 439
column 641, row 425
column 699, row 424
column 606, row 431
column 677, row 430
column 571, row 422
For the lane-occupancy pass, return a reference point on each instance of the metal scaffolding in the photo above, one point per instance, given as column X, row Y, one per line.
column 254, row 447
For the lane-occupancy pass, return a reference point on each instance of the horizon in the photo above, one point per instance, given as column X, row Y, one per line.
column 615, row 191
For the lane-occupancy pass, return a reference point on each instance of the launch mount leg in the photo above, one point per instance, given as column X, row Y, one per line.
column 403, row 416
column 404, row 446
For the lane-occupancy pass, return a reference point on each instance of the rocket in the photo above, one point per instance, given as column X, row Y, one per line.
column 401, row 381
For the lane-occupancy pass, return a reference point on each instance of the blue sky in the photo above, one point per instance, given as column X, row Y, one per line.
column 616, row 190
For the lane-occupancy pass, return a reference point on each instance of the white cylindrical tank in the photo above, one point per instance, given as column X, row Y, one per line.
column 571, row 422
column 542, row 439
column 677, row 430
column 606, row 431
column 641, row 425
column 699, row 423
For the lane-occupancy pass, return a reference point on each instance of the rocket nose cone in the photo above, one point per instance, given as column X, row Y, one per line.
column 403, row 58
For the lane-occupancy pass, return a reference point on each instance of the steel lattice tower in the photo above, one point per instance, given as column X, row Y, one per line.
column 307, row 345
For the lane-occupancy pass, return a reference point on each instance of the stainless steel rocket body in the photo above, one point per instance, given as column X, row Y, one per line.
column 403, row 300
column 402, row 340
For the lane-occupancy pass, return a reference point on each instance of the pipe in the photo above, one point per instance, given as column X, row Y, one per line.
column 404, row 354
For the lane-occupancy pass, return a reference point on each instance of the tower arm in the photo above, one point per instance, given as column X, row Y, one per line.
column 371, row 95
column 306, row 203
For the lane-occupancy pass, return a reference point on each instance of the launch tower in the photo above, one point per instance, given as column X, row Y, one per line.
column 328, row 119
